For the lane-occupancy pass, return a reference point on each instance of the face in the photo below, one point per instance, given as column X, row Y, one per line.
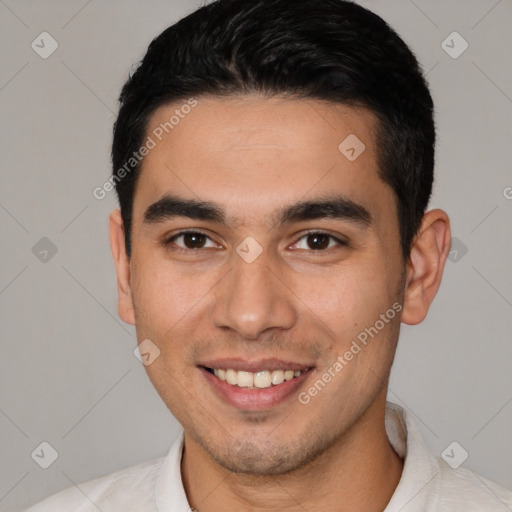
column 295, row 256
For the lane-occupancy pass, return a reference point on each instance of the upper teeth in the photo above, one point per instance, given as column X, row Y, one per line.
column 263, row 379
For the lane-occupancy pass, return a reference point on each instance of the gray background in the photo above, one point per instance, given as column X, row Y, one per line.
column 67, row 371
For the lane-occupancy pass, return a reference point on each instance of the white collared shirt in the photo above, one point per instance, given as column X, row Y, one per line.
column 427, row 483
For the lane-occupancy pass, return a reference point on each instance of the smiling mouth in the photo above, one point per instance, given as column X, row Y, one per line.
column 255, row 380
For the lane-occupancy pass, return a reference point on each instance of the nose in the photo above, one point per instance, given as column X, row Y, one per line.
column 253, row 298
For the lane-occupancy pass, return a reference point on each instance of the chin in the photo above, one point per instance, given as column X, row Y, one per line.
column 265, row 458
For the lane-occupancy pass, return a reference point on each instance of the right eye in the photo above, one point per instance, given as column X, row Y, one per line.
column 191, row 241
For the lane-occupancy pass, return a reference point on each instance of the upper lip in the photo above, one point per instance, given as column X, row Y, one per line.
column 254, row 366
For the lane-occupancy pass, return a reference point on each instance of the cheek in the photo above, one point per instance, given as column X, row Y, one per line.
column 348, row 298
column 165, row 294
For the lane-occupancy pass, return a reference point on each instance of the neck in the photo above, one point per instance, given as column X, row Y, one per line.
column 359, row 472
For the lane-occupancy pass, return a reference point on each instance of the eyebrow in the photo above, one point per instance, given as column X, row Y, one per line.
column 330, row 207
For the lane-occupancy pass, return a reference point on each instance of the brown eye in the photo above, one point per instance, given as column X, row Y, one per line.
column 318, row 241
column 191, row 240
column 194, row 240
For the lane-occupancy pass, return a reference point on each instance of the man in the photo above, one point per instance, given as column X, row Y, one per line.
column 274, row 161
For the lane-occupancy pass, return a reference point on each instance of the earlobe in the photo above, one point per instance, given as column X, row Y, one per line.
column 122, row 264
column 425, row 265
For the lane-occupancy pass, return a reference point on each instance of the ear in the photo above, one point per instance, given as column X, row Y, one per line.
column 425, row 266
column 122, row 263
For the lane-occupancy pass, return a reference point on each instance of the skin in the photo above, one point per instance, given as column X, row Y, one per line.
column 253, row 155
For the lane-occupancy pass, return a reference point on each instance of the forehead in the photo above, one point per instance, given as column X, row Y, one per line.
column 252, row 153
column 254, row 122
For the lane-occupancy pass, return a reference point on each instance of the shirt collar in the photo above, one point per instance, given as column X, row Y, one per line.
column 418, row 485
column 169, row 492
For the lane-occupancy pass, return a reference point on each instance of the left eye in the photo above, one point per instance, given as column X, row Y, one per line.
column 318, row 241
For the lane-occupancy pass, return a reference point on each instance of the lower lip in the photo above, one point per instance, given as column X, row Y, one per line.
column 254, row 399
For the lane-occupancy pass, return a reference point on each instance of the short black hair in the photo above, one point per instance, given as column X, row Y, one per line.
column 331, row 50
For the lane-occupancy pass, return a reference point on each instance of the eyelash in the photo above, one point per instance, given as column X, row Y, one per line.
column 168, row 241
